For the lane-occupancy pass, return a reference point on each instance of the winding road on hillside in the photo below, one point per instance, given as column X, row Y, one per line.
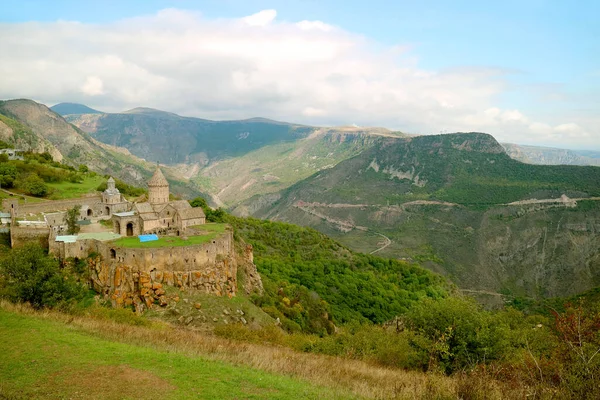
column 347, row 225
column 386, row 243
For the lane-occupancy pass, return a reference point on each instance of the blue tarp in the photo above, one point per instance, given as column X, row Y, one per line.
column 147, row 238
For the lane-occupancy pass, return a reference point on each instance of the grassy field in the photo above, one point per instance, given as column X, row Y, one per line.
column 50, row 359
column 212, row 231
column 69, row 190
column 23, row 198
column 54, row 356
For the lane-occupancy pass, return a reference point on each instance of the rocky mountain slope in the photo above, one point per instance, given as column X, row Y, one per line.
column 235, row 161
column 458, row 203
column 551, row 156
column 231, row 160
column 32, row 126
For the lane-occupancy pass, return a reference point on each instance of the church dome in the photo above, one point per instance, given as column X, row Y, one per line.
column 158, row 179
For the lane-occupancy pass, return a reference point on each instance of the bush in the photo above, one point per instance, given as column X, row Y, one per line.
column 30, row 275
column 457, row 333
column 8, row 174
column 35, row 186
column 217, row 215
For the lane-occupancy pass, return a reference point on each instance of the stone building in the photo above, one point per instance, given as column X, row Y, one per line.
column 158, row 214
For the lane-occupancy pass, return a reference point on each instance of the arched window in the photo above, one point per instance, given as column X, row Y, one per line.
column 113, row 253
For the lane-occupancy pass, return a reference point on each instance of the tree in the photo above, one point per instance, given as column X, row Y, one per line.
column 217, row 215
column 8, row 174
column 35, row 185
column 71, row 219
column 30, row 275
column 200, row 202
column 578, row 330
column 83, row 168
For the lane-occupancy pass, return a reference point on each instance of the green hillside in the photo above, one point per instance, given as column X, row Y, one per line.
column 45, row 358
column 31, row 126
column 442, row 200
column 301, row 266
column 468, row 169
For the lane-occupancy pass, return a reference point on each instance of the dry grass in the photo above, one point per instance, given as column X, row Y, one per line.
column 361, row 378
column 100, row 383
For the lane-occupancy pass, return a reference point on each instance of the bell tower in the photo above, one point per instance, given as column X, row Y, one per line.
column 158, row 188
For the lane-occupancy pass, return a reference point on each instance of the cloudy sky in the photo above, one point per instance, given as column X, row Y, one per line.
column 526, row 71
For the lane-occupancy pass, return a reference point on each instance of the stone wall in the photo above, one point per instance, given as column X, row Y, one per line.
column 49, row 206
column 138, row 276
column 20, row 235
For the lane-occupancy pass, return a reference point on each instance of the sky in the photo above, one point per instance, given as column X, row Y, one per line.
column 524, row 71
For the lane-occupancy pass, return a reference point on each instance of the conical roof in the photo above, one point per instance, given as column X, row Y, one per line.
column 111, row 180
column 158, row 179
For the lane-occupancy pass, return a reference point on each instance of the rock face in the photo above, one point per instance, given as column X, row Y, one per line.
column 143, row 285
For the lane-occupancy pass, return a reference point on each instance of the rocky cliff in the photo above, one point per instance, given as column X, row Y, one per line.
column 121, row 278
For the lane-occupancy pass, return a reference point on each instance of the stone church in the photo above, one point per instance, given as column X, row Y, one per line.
column 158, row 214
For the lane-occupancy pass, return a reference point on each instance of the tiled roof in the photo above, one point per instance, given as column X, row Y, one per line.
column 143, row 208
column 180, row 204
column 158, row 179
column 191, row 213
column 148, row 217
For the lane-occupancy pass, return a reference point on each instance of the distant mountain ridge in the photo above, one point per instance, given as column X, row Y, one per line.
column 73, row 108
column 551, row 156
column 171, row 139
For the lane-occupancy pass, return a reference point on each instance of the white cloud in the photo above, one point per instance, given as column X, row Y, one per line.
column 319, row 25
column 93, row 86
column 307, row 72
column 262, row 18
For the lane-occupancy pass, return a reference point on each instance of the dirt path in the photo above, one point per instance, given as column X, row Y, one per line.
column 344, row 226
column 386, row 243
column 565, row 201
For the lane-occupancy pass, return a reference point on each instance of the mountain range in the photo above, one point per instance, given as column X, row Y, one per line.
column 461, row 205
column 464, row 205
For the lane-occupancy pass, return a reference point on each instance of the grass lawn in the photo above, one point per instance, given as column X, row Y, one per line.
column 44, row 358
column 69, row 190
column 211, row 227
column 213, row 230
column 19, row 194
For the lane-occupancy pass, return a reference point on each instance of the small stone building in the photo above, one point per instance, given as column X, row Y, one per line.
column 158, row 214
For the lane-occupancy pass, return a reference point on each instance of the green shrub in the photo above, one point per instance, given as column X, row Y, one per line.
column 35, row 186
column 30, row 275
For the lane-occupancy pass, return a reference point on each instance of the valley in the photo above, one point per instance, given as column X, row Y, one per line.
column 457, row 202
column 371, row 248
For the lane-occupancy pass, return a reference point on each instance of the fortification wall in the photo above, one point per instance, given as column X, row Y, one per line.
column 20, row 235
column 137, row 276
column 48, row 206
